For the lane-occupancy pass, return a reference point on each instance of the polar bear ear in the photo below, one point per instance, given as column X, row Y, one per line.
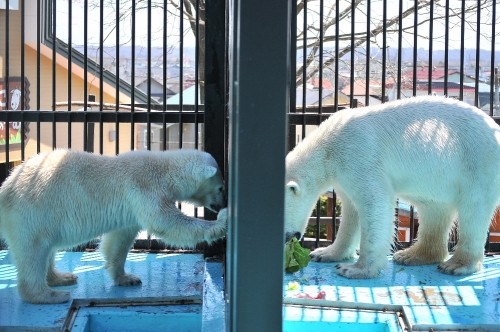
column 207, row 171
column 293, row 187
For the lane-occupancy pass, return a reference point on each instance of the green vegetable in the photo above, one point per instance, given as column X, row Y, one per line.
column 296, row 257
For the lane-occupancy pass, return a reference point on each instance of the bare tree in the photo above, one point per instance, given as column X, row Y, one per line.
column 331, row 33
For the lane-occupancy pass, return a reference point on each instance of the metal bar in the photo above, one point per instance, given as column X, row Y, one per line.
column 70, row 67
column 384, row 51
column 368, row 52
column 446, row 45
column 181, row 69
column 415, row 47
column 399, row 83
column 462, row 52
column 148, row 80
column 252, row 209
column 431, row 43
column 493, row 70
column 353, row 50
column 478, row 53
column 54, row 79
column 85, row 71
column 23, row 80
column 7, row 84
column 101, row 73
column 132, row 70
column 38, row 60
column 117, row 74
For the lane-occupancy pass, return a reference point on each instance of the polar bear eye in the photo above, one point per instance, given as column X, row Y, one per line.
column 221, row 189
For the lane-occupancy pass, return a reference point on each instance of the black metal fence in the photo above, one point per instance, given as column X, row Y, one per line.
column 111, row 76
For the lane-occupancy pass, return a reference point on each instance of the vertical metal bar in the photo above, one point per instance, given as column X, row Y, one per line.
column 197, row 85
column 38, row 42
column 337, row 46
column 415, row 47
column 252, row 209
column 54, row 79
column 292, row 129
column 304, row 69
column 181, row 72
column 478, row 52
column 132, row 73
column 462, row 52
column 493, row 70
column 117, row 79
column 7, row 85
column 431, row 43
column 148, row 80
column 412, row 224
column 446, row 45
column 23, row 81
column 368, row 52
column 215, row 85
column 165, row 34
column 384, row 51
column 85, row 72
column 399, row 83
column 101, row 74
column 215, row 82
column 353, row 50
column 70, row 70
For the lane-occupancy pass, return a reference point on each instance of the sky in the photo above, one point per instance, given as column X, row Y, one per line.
column 173, row 22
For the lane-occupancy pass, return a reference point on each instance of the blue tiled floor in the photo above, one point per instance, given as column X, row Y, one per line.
column 163, row 276
column 429, row 299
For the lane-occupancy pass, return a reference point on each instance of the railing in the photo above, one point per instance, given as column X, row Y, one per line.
column 106, row 87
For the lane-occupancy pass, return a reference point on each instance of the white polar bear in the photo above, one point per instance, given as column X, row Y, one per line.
column 439, row 154
column 59, row 199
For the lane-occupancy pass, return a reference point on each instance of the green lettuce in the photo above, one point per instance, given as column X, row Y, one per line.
column 296, row 257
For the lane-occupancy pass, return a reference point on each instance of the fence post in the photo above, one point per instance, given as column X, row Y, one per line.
column 259, row 59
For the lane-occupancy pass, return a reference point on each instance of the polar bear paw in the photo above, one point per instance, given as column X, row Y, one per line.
column 329, row 254
column 46, row 296
column 415, row 255
column 128, row 280
column 458, row 268
column 61, row 279
column 356, row 271
column 222, row 216
column 218, row 229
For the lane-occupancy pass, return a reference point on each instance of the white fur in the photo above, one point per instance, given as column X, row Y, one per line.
column 59, row 199
column 441, row 155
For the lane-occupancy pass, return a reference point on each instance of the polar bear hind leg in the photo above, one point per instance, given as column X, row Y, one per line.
column 115, row 246
column 32, row 278
column 474, row 218
column 431, row 247
column 57, row 278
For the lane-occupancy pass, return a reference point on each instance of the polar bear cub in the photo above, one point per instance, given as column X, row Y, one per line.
column 63, row 198
column 439, row 154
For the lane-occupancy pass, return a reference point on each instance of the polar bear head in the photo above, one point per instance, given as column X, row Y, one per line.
column 208, row 189
column 210, row 192
column 299, row 203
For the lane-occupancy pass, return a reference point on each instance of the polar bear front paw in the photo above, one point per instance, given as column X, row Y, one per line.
column 355, row 271
column 128, row 280
column 329, row 254
column 222, row 216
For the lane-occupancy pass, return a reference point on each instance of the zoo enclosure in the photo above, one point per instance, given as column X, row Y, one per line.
column 72, row 77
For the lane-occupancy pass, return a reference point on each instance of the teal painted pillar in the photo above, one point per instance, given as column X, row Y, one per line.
column 259, row 79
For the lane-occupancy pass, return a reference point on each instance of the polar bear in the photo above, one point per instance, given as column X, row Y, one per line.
column 63, row 198
column 439, row 154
